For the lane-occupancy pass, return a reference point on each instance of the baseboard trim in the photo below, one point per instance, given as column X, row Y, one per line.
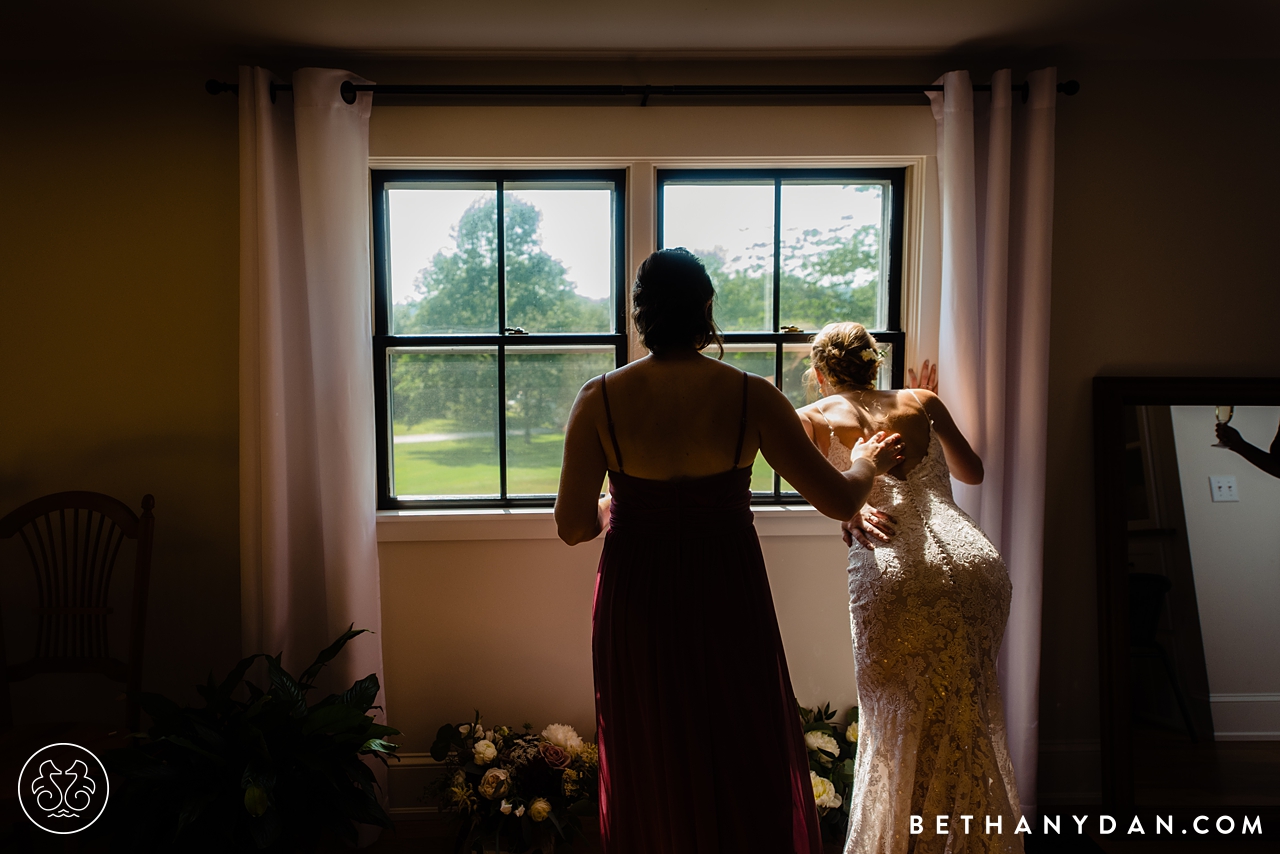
column 414, row 812
column 1244, row 698
column 412, row 760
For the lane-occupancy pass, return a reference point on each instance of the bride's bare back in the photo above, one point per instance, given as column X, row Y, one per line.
column 857, row 415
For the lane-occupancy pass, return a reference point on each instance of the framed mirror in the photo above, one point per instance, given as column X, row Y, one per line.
column 1188, row 537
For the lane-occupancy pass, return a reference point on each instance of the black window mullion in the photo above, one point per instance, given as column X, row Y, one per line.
column 502, row 262
column 776, row 325
column 502, row 351
column 502, row 422
column 382, row 424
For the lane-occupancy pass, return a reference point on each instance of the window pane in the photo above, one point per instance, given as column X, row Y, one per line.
column 730, row 227
column 444, row 253
column 444, row 414
column 560, row 258
column 832, row 257
column 755, row 359
column 542, row 383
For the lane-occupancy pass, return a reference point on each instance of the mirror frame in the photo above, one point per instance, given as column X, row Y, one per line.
column 1110, row 396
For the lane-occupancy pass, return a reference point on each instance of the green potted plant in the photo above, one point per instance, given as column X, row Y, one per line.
column 267, row 772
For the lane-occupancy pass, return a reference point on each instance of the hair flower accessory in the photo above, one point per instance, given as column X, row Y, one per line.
column 871, row 354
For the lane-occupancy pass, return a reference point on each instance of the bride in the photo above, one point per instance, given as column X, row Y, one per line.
column 928, row 607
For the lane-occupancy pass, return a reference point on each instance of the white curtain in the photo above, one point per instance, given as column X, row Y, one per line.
column 308, row 554
column 995, row 170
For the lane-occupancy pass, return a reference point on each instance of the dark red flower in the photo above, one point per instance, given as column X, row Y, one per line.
column 554, row 756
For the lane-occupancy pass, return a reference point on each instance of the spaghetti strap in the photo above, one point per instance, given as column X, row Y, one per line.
column 604, row 390
column 929, row 418
column 922, row 409
column 742, row 426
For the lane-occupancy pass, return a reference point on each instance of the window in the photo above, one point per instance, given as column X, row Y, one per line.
column 790, row 251
column 497, row 295
column 477, row 363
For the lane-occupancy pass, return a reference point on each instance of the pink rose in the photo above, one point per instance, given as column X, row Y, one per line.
column 556, row 757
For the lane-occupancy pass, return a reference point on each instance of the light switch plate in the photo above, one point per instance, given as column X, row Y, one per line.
column 1223, row 487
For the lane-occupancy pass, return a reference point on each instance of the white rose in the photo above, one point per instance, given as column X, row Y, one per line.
column 484, row 751
column 852, row 733
column 565, row 737
column 505, row 809
column 822, row 741
column 539, row 809
column 824, row 792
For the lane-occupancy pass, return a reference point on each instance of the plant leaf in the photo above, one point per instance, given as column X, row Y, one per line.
column 289, row 690
column 379, row 745
column 193, row 747
column 157, row 705
column 256, row 800
column 235, row 677
column 191, row 810
column 362, row 694
column 331, row 718
column 328, row 653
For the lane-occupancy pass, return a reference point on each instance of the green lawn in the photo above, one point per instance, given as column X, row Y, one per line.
column 470, row 466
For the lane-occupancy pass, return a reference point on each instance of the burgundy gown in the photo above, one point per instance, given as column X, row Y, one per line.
column 701, row 747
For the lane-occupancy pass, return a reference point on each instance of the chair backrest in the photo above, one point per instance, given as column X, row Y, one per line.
column 73, row 540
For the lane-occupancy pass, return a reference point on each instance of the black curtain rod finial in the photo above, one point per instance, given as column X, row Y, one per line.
column 217, row 87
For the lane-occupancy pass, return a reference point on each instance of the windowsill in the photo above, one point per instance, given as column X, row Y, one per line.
column 408, row 526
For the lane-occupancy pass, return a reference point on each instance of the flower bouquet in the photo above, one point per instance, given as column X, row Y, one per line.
column 514, row 790
column 831, row 752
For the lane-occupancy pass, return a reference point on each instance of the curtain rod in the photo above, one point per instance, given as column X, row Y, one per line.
column 349, row 90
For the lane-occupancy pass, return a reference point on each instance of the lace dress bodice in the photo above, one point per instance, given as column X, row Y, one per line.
column 928, row 611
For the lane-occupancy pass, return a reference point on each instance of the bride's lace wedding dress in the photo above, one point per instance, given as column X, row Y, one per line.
column 928, row 611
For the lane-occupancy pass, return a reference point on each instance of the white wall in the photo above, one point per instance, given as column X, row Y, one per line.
column 1235, row 557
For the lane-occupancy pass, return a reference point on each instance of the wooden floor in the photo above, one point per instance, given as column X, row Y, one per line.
column 1178, row 777
column 1169, row 769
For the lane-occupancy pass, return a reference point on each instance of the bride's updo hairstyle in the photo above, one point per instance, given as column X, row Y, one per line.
column 847, row 356
column 672, row 297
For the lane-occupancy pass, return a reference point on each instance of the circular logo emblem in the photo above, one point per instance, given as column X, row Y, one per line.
column 63, row 788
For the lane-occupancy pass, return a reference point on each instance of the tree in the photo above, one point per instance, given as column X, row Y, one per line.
column 459, row 288
column 840, row 281
column 458, row 293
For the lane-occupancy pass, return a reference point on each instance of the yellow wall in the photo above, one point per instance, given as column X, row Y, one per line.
column 118, row 332
column 1163, row 265
column 118, row 220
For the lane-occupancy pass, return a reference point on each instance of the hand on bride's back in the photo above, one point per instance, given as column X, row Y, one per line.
column 884, row 451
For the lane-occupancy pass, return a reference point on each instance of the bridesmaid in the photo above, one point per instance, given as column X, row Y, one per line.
column 700, row 742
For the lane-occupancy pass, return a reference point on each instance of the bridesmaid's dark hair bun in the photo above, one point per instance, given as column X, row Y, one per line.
column 672, row 297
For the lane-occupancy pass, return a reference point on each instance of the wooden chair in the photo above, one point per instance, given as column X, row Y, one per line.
column 73, row 539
